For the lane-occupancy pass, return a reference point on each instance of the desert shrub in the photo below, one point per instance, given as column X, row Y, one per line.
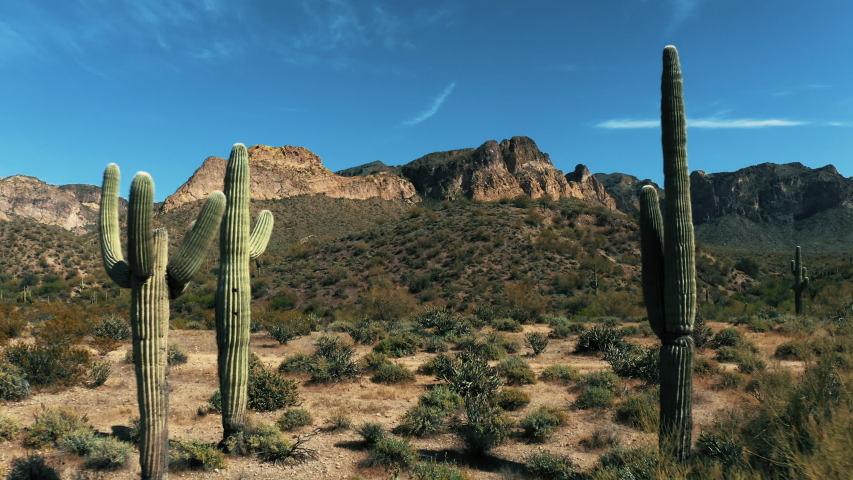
column 442, row 399
column 537, row 342
column 730, row 381
column 298, row 363
column 52, row 425
column 112, row 326
column 705, row 366
column 721, row 446
column 268, row 391
column 262, row 440
column 560, row 373
column 366, row 332
column 641, row 463
column 397, row 346
column 422, row 421
column 594, row 398
column 45, row 365
column 435, row 344
column 516, row 371
column 13, row 385
column 599, row 439
column 640, row 411
column 485, row 314
column 633, row 361
column 333, row 361
column 606, row 380
column 372, row 361
column 101, row 371
column 11, row 325
column 511, row 399
column 542, row 422
column 750, row 363
column 506, row 325
column 548, row 466
column 758, row 325
column 9, row 428
column 729, row 337
column 392, row 452
column 293, row 418
column 371, row 433
column 78, row 442
column 728, row 354
column 701, row 333
column 484, row 429
column 108, row 453
column 599, row 339
column 793, row 350
column 174, row 355
column 432, row 470
column 194, row 455
column 438, row 365
column 339, row 420
column 392, row 373
column 31, row 467
column 443, row 322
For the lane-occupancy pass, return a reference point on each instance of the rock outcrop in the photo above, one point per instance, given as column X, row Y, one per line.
column 500, row 170
column 281, row 172
column 373, row 168
column 625, row 190
column 72, row 207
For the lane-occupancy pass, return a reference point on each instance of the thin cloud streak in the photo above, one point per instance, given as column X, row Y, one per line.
column 436, row 104
column 702, row 123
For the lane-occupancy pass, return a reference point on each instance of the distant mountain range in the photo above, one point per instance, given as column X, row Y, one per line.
column 762, row 207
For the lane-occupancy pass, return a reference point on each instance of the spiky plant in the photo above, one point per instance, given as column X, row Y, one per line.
column 152, row 279
column 233, row 294
column 669, row 267
column 801, row 280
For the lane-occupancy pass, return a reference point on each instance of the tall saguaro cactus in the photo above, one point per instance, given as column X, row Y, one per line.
column 152, row 279
column 669, row 267
column 801, row 280
column 233, row 295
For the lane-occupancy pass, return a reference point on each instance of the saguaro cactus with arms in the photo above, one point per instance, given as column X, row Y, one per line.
column 669, row 267
column 152, row 279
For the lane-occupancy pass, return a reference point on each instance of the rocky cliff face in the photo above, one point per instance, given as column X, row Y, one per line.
column 72, row 207
column 373, row 168
column 500, row 170
column 281, row 172
column 625, row 190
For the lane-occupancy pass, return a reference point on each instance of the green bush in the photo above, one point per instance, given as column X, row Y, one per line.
column 511, row 399
column 392, row 452
column 640, row 411
column 546, row 465
column 793, row 350
column 31, row 467
column 262, row 440
column 560, row 373
column 441, row 398
column 108, row 453
column 334, row 361
column 372, row 433
column 542, row 423
column 729, row 337
column 174, row 355
column 516, row 371
column 599, row 439
column 506, row 325
column 79, row 442
column 397, row 346
column 101, row 371
column 484, row 429
column 607, row 380
column 731, row 381
column 268, row 391
column 594, row 398
column 537, row 342
column 633, row 361
column 9, row 428
column 294, row 418
column 432, row 470
column 298, row 363
column 112, row 326
column 637, row 463
column 52, row 425
column 194, row 455
column 13, row 385
column 422, row 421
column 391, row 373
column 728, row 354
column 48, row 365
column 366, row 332
column 705, row 366
column 721, row 446
column 599, row 339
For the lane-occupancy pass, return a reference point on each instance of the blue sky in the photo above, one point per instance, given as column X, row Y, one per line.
column 159, row 85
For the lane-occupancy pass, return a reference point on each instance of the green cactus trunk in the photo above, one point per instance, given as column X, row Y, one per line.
column 150, row 278
column 801, row 280
column 233, row 294
column 669, row 268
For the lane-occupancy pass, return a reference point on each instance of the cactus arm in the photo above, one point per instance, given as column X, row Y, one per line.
column 793, row 267
column 108, row 226
column 140, row 239
column 260, row 235
column 676, row 354
column 651, row 245
column 149, row 319
column 233, row 294
column 186, row 263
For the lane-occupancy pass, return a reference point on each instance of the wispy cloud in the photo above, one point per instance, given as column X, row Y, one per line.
column 436, row 104
column 703, row 123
